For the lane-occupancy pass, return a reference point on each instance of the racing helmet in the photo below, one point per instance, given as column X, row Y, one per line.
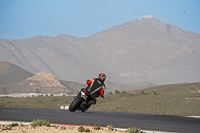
column 102, row 76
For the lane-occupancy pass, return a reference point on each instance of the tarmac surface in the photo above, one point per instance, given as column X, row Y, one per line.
column 150, row 122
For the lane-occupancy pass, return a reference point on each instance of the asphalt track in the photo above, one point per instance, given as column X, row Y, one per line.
column 118, row 120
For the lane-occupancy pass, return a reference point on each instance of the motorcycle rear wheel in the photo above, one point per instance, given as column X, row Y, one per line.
column 75, row 104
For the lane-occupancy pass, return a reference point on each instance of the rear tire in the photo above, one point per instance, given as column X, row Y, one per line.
column 75, row 104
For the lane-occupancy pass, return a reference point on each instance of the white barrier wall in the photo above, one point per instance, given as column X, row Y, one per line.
column 64, row 107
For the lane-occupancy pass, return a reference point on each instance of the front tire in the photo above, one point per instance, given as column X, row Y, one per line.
column 75, row 104
column 85, row 108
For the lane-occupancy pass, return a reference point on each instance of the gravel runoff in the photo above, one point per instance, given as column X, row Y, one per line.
column 59, row 128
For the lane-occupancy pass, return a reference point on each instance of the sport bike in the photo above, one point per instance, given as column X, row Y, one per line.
column 86, row 97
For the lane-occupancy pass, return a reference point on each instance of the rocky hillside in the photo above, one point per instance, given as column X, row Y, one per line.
column 45, row 83
column 143, row 50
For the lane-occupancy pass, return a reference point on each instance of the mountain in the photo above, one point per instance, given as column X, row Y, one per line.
column 10, row 73
column 143, row 50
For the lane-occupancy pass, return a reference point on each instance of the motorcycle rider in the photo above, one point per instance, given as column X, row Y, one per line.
column 94, row 89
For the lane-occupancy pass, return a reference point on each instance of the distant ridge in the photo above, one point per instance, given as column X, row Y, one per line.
column 143, row 50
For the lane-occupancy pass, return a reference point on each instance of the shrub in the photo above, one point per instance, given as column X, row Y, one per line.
column 133, row 130
column 117, row 92
column 110, row 127
column 8, row 127
column 14, row 124
column 39, row 122
column 82, row 129
column 21, row 124
column 87, row 130
column 97, row 128
column 56, row 127
column 143, row 93
column 63, row 128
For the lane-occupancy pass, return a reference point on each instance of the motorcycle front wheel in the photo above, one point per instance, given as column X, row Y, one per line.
column 75, row 104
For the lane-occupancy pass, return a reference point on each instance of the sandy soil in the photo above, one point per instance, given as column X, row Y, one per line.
column 58, row 129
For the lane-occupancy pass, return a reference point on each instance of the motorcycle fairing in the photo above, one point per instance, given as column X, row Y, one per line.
column 94, row 87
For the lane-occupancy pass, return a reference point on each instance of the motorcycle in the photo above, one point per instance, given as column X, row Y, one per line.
column 79, row 103
column 86, row 97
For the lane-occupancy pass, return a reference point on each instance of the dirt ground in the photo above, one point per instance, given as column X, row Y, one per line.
column 45, row 129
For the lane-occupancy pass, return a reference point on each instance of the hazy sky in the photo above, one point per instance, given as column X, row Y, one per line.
column 20, row 19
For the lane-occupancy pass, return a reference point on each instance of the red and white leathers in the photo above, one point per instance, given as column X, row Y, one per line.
column 100, row 91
